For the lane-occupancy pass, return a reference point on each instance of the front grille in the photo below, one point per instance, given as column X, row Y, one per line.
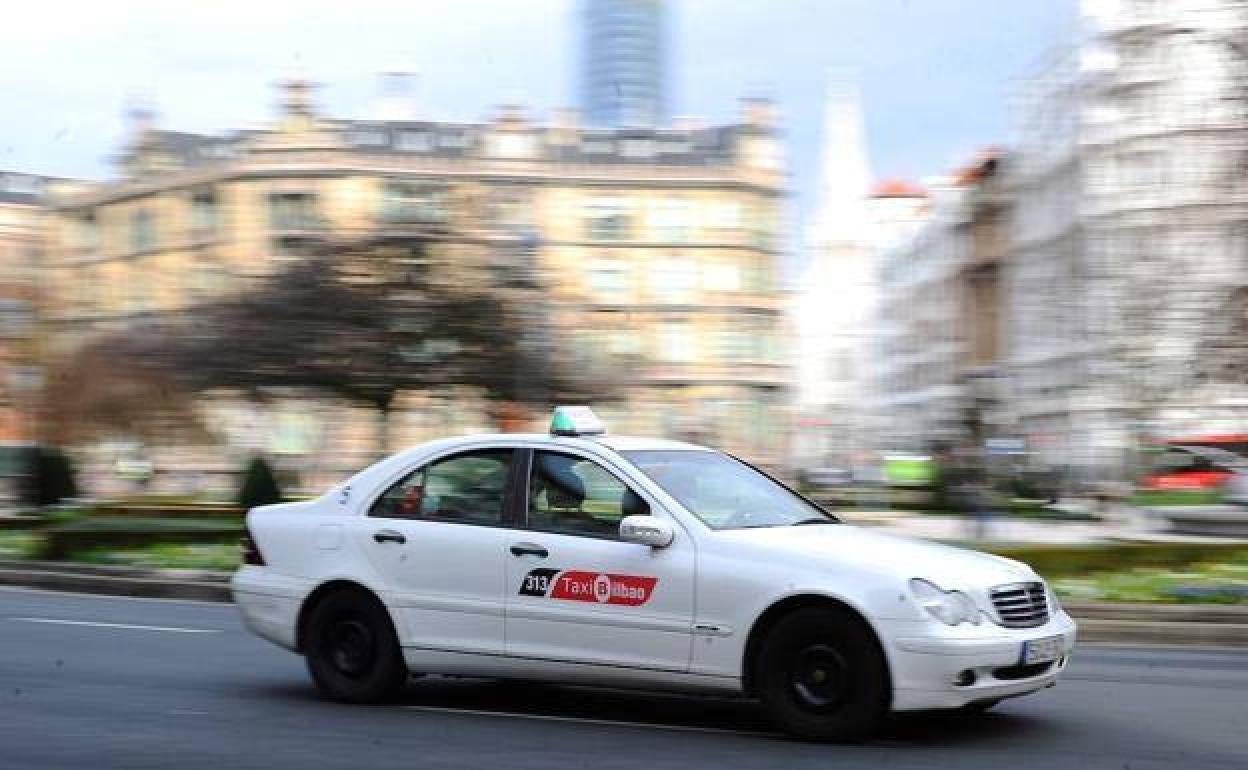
column 1022, row 671
column 1021, row 605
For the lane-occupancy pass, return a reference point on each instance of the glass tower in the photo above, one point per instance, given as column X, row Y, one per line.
column 623, row 77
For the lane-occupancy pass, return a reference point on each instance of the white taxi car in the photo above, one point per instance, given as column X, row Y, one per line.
column 584, row 558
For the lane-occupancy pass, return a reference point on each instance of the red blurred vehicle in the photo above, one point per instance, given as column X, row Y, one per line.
column 1193, row 467
column 1231, row 442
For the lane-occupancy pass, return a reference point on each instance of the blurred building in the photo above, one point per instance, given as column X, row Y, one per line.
column 836, row 294
column 22, row 233
column 656, row 249
column 1128, row 231
column 919, row 335
column 623, row 72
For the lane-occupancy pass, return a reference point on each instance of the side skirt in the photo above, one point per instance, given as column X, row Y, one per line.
column 431, row 661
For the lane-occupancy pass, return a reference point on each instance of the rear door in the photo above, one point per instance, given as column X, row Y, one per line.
column 437, row 537
column 575, row 591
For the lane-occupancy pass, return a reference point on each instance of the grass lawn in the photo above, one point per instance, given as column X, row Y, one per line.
column 17, row 544
column 1224, row 581
column 1163, row 497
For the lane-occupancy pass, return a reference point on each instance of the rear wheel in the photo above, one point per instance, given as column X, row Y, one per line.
column 352, row 652
column 821, row 675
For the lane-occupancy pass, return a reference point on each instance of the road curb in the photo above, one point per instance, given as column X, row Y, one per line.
column 1161, row 624
column 201, row 585
column 1197, row 625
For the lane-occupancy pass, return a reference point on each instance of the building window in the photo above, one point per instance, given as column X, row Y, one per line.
column 139, row 295
column 608, row 278
column 607, row 221
column 511, row 145
column 624, row 343
column 757, row 276
column 209, row 279
column 204, row 214
column 724, row 216
column 293, row 211
column 675, row 342
column 86, row 233
column 415, row 141
column 368, row 138
column 722, row 277
column 413, row 202
column 675, row 280
column 142, row 231
column 670, row 221
column 636, row 148
column 736, row 345
column 761, row 224
column 597, row 147
column 511, row 209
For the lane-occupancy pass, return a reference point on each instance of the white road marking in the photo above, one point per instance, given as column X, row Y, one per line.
column 130, row 626
column 589, row 721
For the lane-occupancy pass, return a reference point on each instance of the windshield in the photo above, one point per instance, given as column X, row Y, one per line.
column 726, row 493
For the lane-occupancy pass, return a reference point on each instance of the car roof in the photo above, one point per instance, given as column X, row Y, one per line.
column 616, row 443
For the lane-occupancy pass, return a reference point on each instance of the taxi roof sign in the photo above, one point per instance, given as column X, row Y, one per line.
column 576, row 421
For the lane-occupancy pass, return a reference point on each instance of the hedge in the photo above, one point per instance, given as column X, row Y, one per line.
column 83, row 534
column 1062, row 560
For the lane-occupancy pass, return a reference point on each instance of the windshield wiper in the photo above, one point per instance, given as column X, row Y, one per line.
column 817, row 520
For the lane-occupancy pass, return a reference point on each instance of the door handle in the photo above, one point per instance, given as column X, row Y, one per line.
column 529, row 549
column 389, row 536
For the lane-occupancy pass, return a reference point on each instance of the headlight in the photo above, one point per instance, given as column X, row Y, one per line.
column 949, row 607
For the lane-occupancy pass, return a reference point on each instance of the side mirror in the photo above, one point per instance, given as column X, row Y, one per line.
column 647, row 530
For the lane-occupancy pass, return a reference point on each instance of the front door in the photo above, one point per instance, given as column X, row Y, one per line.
column 576, row 592
column 435, row 537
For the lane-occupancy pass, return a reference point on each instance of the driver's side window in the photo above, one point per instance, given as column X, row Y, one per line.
column 576, row 496
column 469, row 488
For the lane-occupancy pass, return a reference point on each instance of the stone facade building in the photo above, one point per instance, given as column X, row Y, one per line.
column 654, row 247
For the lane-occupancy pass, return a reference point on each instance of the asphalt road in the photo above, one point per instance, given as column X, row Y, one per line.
column 94, row 682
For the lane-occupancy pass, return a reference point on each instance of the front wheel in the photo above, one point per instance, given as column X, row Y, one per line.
column 352, row 652
column 821, row 675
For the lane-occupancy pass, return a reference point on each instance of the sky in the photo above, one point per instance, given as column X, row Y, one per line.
column 935, row 76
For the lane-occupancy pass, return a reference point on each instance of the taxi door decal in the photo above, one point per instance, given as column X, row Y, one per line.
column 582, row 586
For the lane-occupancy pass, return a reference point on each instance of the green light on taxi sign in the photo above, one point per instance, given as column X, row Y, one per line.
column 576, row 421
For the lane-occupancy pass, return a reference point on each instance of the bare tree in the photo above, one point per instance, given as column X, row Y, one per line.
column 364, row 321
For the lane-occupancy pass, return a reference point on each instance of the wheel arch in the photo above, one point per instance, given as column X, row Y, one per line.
column 783, row 606
column 318, row 595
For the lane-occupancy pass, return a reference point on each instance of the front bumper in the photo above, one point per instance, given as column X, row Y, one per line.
column 939, row 667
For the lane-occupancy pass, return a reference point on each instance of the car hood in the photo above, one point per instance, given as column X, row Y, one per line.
column 903, row 557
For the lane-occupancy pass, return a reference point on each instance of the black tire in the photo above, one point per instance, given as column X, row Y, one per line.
column 352, row 651
column 821, row 675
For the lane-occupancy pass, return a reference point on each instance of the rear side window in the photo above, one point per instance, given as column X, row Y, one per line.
column 469, row 488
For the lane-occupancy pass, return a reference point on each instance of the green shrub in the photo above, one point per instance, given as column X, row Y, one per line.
column 1066, row 560
column 259, row 485
column 123, row 532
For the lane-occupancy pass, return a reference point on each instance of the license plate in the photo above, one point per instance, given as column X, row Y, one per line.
column 1042, row 650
